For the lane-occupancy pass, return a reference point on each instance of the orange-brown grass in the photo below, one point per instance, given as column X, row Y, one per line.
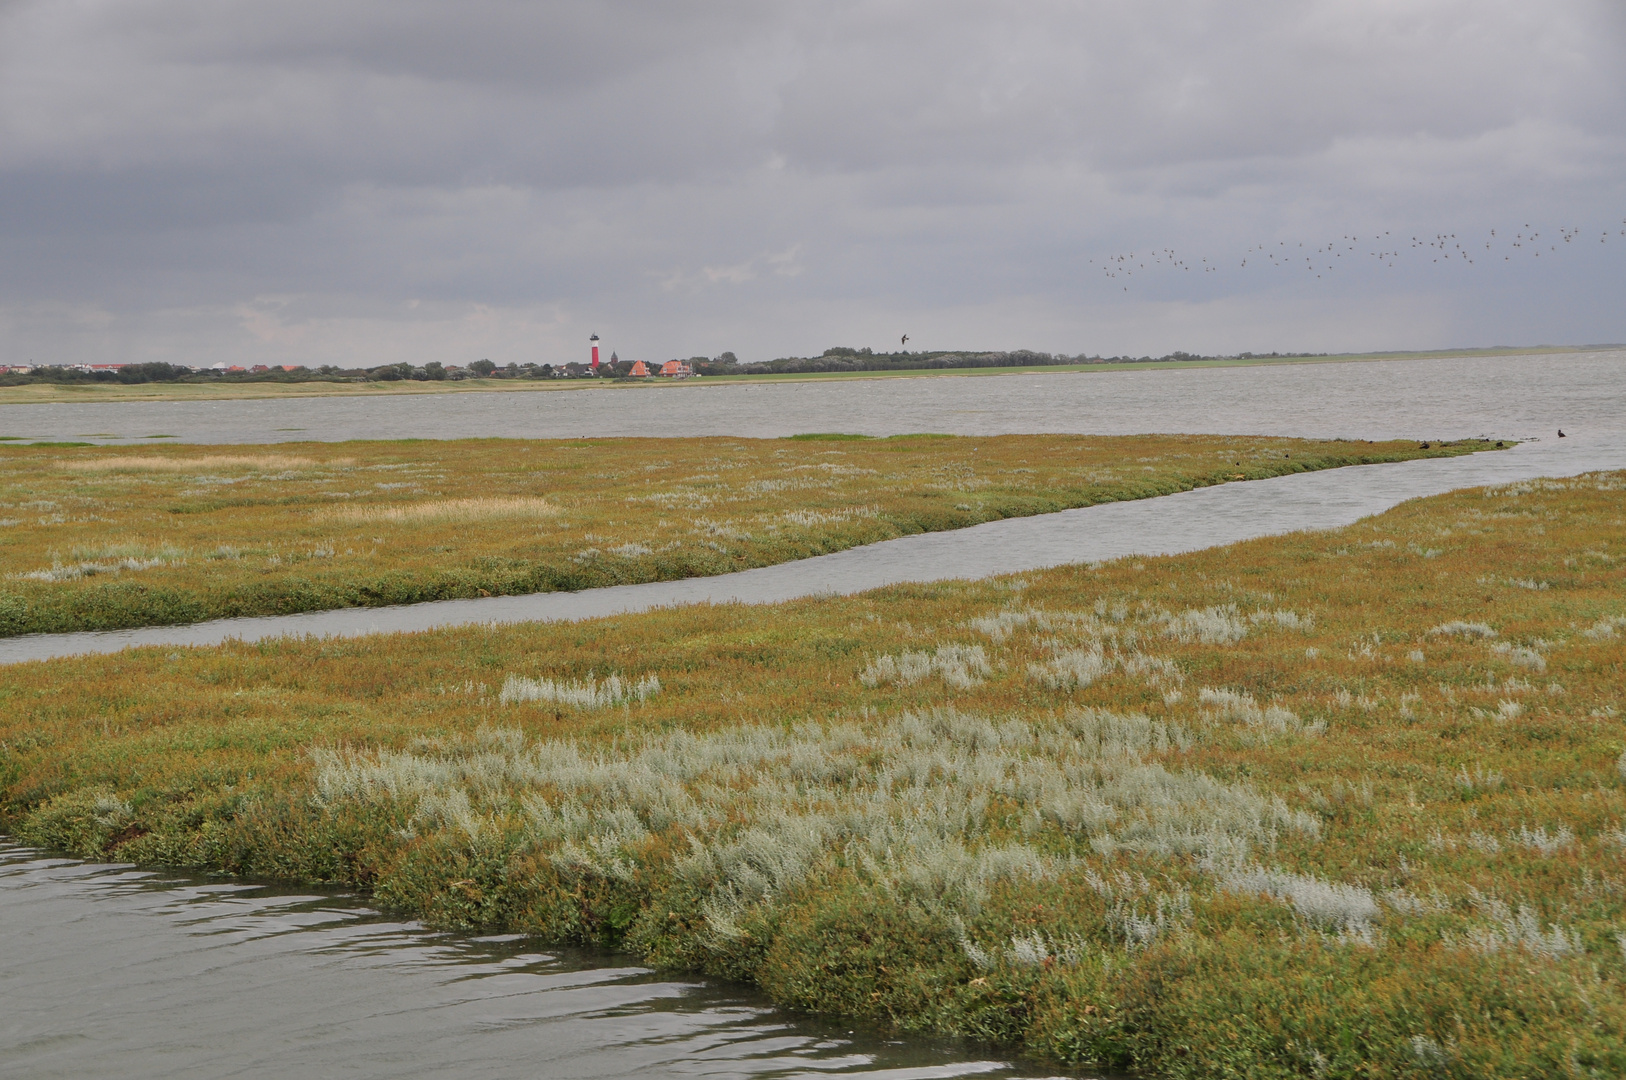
column 1432, row 885
column 193, row 463
column 261, row 531
column 460, row 510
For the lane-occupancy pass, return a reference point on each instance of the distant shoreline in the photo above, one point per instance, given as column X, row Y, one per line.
column 59, row 393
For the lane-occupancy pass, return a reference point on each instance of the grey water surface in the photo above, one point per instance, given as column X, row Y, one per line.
column 1166, row 525
column 1430, row 398
column 108, row 971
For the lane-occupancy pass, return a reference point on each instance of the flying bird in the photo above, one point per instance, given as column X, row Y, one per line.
column 1441, row 247
column 904, row 342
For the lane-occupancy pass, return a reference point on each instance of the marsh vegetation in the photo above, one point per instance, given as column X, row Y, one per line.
column 102, row 538
column 1333, row 804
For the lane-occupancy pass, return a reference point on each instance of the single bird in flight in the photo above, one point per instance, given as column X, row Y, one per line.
column 904, row 342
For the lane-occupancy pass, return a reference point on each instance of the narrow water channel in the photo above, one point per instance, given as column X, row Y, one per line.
column 107, row 971
column 1173, row 523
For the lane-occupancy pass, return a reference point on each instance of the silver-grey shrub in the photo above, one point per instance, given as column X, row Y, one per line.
column 1471, row 631
column 1521, row 929
column 960, row 666
column 1071, row 669
column 586, row 694
column 905, row 802
column 1605, row 629
column 1222, row 625
column 1236, row 705
column 1520, row 656
column 1328, row 905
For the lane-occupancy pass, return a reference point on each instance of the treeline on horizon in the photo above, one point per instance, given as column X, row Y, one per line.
column 845, row 359
column 837, row 359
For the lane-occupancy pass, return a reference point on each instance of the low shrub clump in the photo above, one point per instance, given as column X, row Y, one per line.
column 1304, row 806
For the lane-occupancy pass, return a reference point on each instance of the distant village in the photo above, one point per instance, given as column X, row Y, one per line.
column 591, row 366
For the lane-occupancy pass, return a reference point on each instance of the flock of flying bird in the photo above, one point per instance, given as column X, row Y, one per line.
column 1321, row 259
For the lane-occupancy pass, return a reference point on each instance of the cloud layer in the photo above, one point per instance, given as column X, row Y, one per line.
column 358, row 183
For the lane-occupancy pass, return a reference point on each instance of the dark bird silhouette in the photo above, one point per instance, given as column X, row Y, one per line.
column 1434, row 248
column 904, row 342
column 1561, row 434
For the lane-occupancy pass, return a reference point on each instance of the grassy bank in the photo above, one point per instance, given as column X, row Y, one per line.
column 43, row 393
column 1344, row 804
column 103, row 538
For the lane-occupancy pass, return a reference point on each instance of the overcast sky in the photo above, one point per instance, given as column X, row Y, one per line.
column 360, row 183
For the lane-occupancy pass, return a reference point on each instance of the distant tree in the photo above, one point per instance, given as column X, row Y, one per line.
column 725, row 364
column 483, row 368
column 156, row 372
column 434, row 371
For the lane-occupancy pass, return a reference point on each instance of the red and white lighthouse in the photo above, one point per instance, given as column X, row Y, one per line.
column 594, row 340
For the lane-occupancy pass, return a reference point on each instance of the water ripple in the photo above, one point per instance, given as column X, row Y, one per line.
column 107, row 971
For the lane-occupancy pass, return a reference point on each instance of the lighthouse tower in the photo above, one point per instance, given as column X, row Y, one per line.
column 594, row 340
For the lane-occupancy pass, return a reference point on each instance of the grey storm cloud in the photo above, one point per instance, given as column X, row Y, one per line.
column 360, row 182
